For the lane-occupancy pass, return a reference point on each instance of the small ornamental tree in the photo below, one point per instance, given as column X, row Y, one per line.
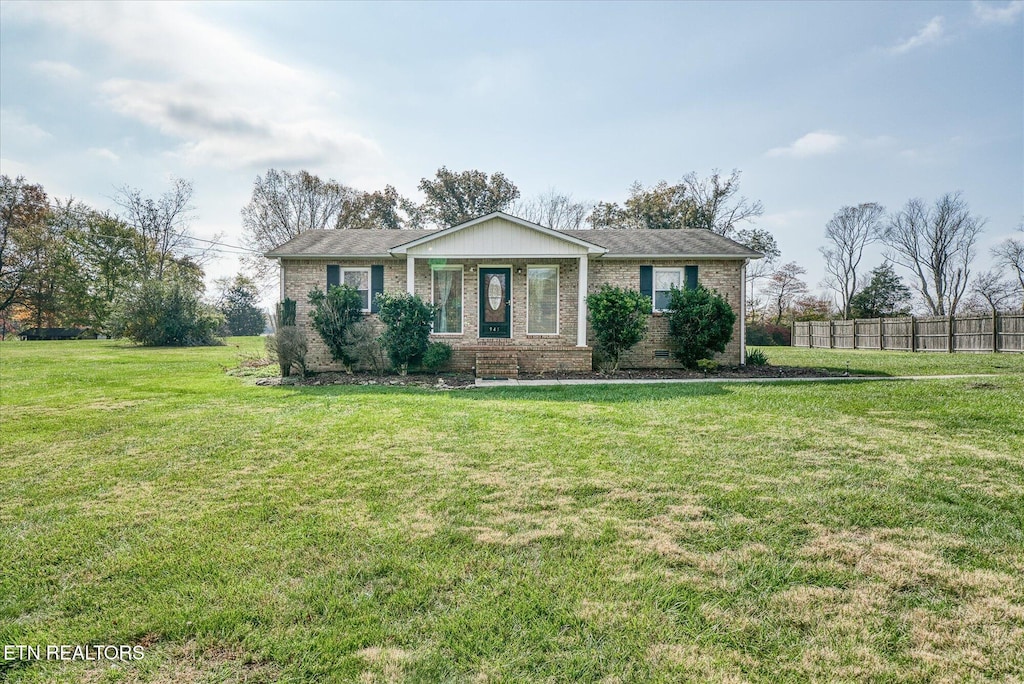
column 619, row 319
column 332, row 315
column 700, row 323
column 407, row 333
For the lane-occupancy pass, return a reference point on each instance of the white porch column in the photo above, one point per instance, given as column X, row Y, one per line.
column 581, row 307
column 743, row 312
column 410, row 274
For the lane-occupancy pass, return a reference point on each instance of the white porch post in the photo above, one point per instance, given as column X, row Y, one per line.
column 743, row 312
column 581, row 307
column 410, row 274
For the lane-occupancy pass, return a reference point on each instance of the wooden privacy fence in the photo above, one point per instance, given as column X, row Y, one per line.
column 997, row 333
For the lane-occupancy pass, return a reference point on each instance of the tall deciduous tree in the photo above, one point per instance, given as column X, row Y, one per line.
column 848, row 233
column 994, row 289
column 23, row 211
column 759, row 240
column 1010, row 254
column 381, row 210
column 456, row 197
column 710, row 203
column 164, row 224
column 283, row 204
column 554, row 210
column 719, row 207
column 937, row 245
column 785, row 285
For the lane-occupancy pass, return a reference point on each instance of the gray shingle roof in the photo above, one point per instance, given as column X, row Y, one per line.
column 619, row 243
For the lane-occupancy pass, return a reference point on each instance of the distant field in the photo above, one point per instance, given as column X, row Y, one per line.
column 662, row 533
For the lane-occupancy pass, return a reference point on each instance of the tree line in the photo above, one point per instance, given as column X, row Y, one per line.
column 66, row 264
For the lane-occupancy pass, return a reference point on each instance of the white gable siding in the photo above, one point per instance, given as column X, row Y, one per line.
column 496, row 238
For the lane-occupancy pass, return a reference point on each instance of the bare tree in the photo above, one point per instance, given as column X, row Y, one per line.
column 455, row 197
column 718, row 208
column 994, row 288
column 937, row 246
column 848, row 233
column 784, row 285
column 1010, row 254
column 163, row 224
column 283, row 205
column 554, row 210
column 759, row 240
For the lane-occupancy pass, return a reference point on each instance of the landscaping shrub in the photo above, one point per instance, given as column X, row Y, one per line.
column 407, row 333
column 363, row 346
column 437, row 356
column 332, row 314
column 166, row 314
column 768, row 335
column 756, row 357
column 286, row 312
column 699, row 324
column 288, row 346
column 619, row 319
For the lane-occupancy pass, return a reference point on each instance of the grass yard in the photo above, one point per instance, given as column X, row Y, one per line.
column 723, row 532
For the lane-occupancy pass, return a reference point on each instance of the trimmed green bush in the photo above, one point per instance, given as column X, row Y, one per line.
column 437, row 356
column 286, row 312
column 700, row 324
column 332, row 314
column 619, row 319
column 167, row 314
column 407, row 333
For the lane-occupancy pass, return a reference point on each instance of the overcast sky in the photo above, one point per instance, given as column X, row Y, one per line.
column 819, row 105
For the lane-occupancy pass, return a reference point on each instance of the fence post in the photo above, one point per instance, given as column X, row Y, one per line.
column 949, row 333
column 995, row 331
column 854, row 333
column 831, row 333
column 913, row 333
column 881, row 338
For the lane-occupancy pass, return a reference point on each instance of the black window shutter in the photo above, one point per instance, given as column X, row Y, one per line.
column 376, row 285
column 647, row 281
column 691, row 277
column 333, row 276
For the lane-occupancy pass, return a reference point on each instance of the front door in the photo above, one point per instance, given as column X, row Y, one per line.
column 495, row 302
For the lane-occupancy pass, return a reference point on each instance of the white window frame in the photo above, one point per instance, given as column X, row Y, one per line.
column 462, row 292
column 342, row 270
column 558, row 301
column 654, row 284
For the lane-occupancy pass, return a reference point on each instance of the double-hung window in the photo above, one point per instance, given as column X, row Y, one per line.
column 664, row 280
column 542, row 300
column 359, row 280
column 446, row 291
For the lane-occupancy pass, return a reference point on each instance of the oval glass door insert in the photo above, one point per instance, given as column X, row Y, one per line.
column 494, row 292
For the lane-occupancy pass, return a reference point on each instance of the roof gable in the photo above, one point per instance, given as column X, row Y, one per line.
column 498, row 235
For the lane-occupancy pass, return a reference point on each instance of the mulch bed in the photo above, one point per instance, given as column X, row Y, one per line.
column 462, row 380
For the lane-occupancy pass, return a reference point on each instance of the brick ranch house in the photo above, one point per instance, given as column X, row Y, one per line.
column 512, row 294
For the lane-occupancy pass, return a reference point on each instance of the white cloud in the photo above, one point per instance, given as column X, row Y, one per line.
column 929, row 33
column 104, row 153
column 57, row 71
column 991, row 14
column 813, row 144
column 14, row 127
column 225, row 102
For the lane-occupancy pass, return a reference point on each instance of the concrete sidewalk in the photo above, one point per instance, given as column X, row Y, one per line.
column 671, row 381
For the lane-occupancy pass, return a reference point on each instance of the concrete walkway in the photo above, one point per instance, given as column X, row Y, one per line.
column 480, row 382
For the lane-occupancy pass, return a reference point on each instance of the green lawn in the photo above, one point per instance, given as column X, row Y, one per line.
column 722, row 532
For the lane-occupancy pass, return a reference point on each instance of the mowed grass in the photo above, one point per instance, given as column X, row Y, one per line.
column 721, row 532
